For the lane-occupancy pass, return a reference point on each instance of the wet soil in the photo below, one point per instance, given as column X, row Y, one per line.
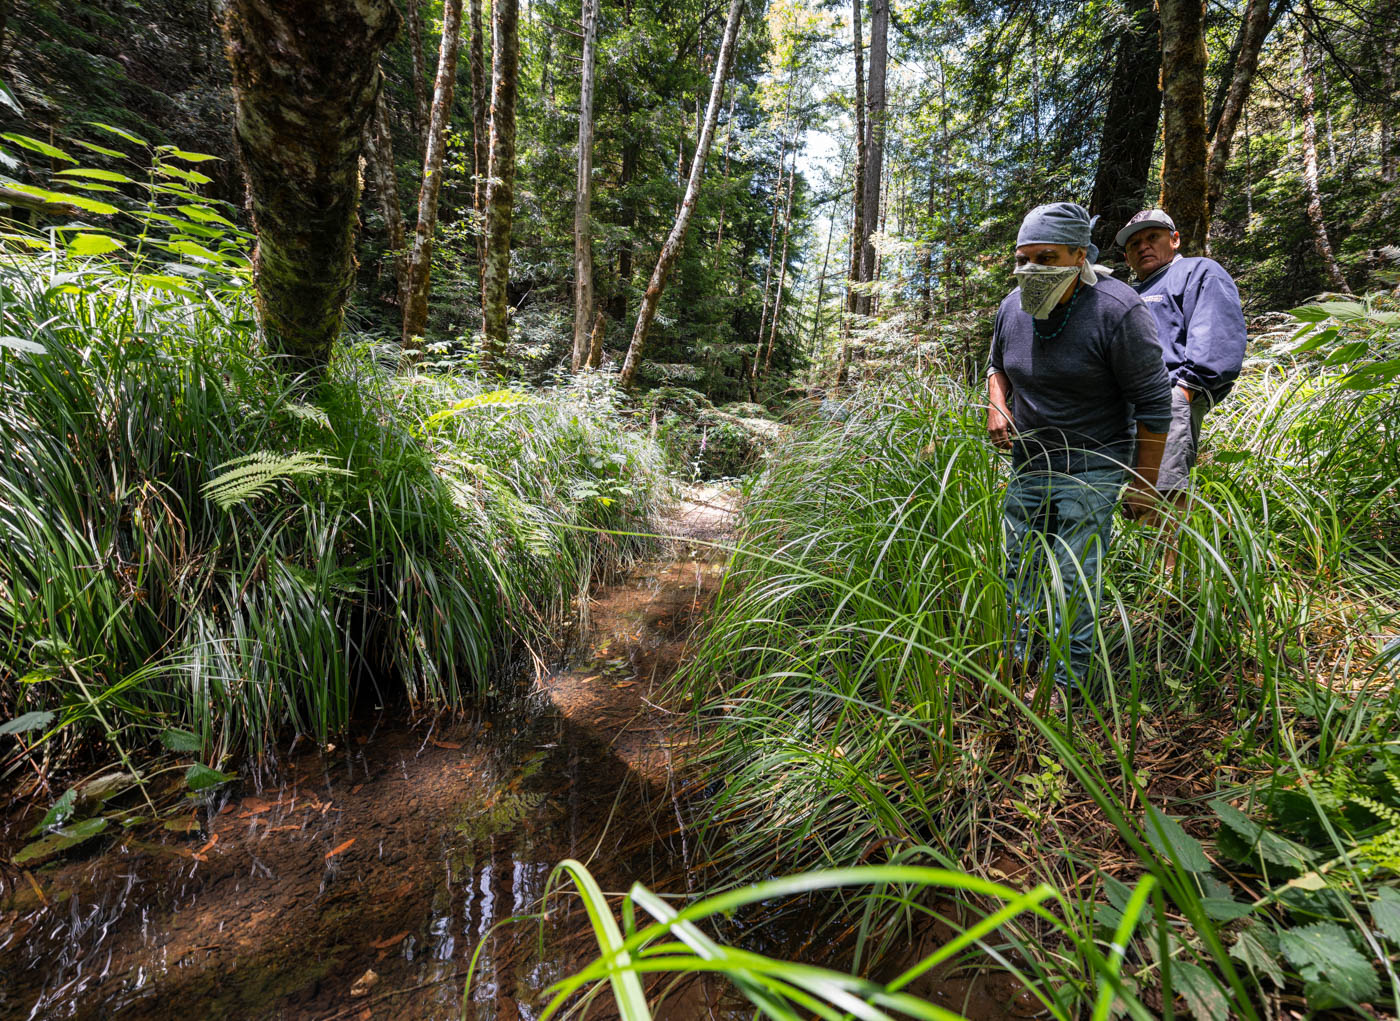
column 360, row 883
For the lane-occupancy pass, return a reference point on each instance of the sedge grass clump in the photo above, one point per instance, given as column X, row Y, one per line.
column 196, row 547
column 860, row 706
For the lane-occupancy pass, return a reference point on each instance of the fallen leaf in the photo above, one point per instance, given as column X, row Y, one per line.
column 284, row 829
column 624, row 684
column 364, row 983
column 253, row 806
column 336, row 850
column 227, row 808
column 39, row 890
column 183, row 824
column 585, row 680
column 357, row 788
column 392, row 941
column 450, row 745
column 213, row 839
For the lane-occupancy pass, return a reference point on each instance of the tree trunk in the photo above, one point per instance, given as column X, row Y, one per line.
column 772, row 248
column 480, row 158
column 926, row 310
column 854, row 304
column 671, row 249
column 1335, row 279
column 875, row 138
column 583, row 194
column 782, row 278
column 1130, row 123
column 1254, row 29
column 379, row 157
column 595, row 342
column 418, row 282
column 500, row 192
column 821, row 287
column 724, row 178
column 420, row 75
column 1183, row 194
column 305, row 75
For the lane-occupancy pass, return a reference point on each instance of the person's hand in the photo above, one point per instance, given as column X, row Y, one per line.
column 999, row 428
column 1141, row 502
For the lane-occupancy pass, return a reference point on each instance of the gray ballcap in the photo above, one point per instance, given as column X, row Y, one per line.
column 1141, row 221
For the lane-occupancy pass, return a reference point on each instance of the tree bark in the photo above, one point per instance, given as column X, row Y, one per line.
column 418, row 282
column 854, row 304
column 782, row 279
column 875, row 139
column 500, row 191
column 420, row 73
column 772, row 246
column 595, row 342
column 821, row 287
column 671, row 249
column 480, row 157
column 1183, row 194
column 379, row 157
column 305, row 75
column 1335, row 279
column 1130, row 123
column 724, row 177
column 583, row 194
column 1259, row 18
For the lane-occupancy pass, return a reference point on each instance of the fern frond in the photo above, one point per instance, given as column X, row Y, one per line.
column 310, row 413
column 248, row 477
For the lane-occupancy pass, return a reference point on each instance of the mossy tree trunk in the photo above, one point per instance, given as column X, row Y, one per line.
column 418, row 284
column 379, row 162
column 1335, row 279
column 1183, row 194
column 874, row 145
column 500, row 191
column 480, row 158
column 853, row 299
column 305, row 77
column 1259, row 17
column 583, row 194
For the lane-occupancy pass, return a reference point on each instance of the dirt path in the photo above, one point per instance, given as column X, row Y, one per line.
column 396, row 854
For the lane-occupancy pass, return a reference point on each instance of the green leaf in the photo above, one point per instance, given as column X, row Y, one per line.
column 7, row 98
column 1346, row 311
column 101, row 149
column 134, row 139
column 181, row 741
column 1232, row 456
column 93, row 244
column 66, row 198
column 192, row 176
column 181, row 154
column 1309, row 313
column 200, row 777
column 1269, row 845
column 1385, row 912
column 1332, row 967
column 1168, row 839
column 59, row 841
column 38, row 719
column 1225, row 909
column 34, row 145
column 204, row 215
column 1257, row 957
column 1371, row 376
column 1347, row 353
column 97, row 175
column 59, row 812
column 1204, row 997
column 1316, row 341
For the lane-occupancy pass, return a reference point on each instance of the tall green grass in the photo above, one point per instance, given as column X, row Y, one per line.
column 195, row 547
column 859, row 706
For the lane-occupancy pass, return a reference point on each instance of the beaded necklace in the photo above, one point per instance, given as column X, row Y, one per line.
column 1060, row 329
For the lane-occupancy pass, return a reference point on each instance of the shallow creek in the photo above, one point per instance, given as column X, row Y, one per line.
column 359, row 882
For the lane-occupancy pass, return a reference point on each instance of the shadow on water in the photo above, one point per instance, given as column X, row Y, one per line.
column 360, row 883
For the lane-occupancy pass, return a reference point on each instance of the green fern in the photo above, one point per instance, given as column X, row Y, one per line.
column 248, row 477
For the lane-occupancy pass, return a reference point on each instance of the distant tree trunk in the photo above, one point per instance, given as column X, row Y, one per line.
column 854, row 304
column 419, row 114
column 379, row 157
column 772, row 248
column 1183, row 193
column 926, row 310
column 305, row 74
column 595, row 342
column 724, row 176
column 671, row 249
column 874, row 138
column 500, row 192
column 583, row 194
column 480, row 157
column 418, row 281
column 1130, row 123
column 1259, row 17
column 782, row 279
column 821, row 286
column 1335, row 279
column 627, row 217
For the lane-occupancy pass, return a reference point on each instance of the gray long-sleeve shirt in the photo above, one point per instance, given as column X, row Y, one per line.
column 1074, row 397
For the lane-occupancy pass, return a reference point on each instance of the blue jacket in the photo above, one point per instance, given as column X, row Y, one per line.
column 1200, row 323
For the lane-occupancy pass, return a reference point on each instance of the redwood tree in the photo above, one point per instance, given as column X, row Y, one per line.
column 500, row 190
column 1259, row 17
column 583, row 193
column 1183, row 193
column 305, row 76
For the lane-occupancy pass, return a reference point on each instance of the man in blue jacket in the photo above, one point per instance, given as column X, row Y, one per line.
column 1078, row 394
column 1200, row 325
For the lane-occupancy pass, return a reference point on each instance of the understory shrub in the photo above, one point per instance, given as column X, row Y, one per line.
column 705, row 442
column 193, row 545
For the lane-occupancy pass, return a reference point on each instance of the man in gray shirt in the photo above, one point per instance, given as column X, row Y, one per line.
column 1074, row 363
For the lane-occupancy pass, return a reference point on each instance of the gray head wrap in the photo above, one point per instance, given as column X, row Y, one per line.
column 1059, row 223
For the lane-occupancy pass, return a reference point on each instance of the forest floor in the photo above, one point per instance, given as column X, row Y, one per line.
column 359, row 880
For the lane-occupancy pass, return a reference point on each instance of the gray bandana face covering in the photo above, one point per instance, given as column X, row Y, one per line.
column 1042, row 287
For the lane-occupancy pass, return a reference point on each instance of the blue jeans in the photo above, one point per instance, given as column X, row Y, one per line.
column 1058, row 528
